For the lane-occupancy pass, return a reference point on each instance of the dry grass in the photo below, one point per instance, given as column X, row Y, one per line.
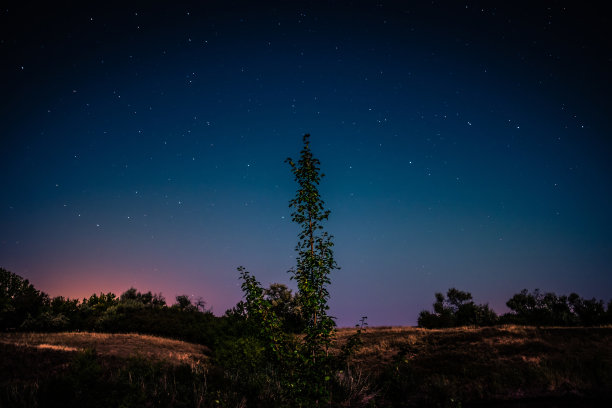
column 488, row 363
column 113, row 345
column 397, row 366
column 380, row 344
column 61, row 369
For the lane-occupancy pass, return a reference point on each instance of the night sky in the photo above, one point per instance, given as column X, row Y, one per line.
column 464, row 145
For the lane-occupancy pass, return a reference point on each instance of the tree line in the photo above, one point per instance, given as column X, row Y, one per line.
column 25, row 308
column 534, row 308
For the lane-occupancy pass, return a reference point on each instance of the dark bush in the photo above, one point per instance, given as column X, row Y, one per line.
column 456, row 309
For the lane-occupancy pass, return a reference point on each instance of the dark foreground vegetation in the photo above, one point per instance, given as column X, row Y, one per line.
column 394, row 367
column 279, row 349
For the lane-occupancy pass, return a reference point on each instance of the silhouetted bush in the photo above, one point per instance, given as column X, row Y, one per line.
column 548, row 309
column 147, row 299
column 456, row 309
column 531, row 309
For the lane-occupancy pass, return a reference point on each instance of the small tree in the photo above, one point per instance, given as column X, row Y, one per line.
column 457, row 309
column 314, row 264
column 183, row 303
column 315, row 257
column 306, row 368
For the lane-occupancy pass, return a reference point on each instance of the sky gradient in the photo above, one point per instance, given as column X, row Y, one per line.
column 465, row 144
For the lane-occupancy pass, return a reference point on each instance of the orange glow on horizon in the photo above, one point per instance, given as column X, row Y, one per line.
column 76, row 284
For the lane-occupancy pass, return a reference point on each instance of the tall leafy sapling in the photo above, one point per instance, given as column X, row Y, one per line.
column 305, row 367
column 315, row 258
column 315, row 261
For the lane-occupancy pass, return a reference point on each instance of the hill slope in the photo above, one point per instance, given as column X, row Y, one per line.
column 415, row 366
column 111, row 345
column 395, row 366
column 100, row 370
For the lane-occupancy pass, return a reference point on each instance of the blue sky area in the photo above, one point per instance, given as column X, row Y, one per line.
column 465, row 144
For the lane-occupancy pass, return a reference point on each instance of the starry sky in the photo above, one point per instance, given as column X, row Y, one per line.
column 465, row 144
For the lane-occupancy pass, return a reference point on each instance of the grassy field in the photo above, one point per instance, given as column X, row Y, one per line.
column 396, row 366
